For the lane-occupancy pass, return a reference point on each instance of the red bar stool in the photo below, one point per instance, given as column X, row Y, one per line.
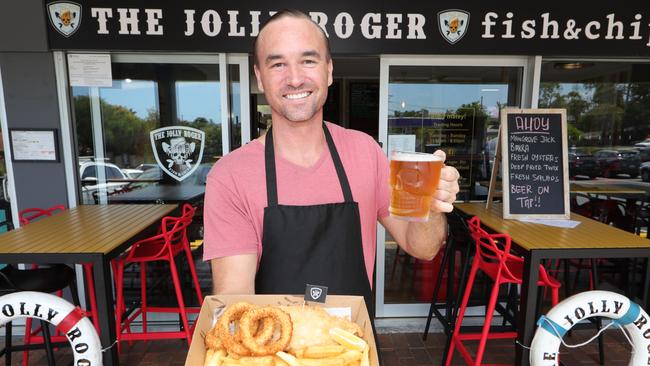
column 32, row 214
column 171, row 241
column 494, row 259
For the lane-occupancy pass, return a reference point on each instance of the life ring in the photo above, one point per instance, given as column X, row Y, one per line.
column 553, row 326
column 66, row 317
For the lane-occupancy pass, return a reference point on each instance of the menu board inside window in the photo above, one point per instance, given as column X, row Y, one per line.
column 535, row 168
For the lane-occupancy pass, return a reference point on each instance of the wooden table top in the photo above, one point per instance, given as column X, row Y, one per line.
column 590, row 234
column 83, row 229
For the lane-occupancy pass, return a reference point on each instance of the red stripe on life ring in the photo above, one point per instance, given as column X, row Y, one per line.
column 71, row 320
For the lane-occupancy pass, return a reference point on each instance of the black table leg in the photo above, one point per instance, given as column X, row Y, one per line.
column 646, row 283
column 104, row 294
column 526, row 322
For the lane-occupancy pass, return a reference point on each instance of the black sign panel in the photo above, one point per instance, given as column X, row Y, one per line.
column 534, row 149
column 551, row 27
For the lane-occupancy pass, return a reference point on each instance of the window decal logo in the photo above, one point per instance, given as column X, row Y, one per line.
column 453, row 24
column 178, row 150
column 64, row 16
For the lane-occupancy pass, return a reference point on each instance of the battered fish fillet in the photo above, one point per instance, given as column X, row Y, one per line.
column 311, row 326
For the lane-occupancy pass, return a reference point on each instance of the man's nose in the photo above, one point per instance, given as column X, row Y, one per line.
column 295, row 76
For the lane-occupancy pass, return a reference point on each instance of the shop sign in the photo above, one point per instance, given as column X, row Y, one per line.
column 178, row 150
column 551, row 27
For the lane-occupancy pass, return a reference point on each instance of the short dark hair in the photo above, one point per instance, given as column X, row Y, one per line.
column 291, row 13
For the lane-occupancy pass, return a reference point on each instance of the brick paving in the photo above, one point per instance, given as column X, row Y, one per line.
column 397, row 349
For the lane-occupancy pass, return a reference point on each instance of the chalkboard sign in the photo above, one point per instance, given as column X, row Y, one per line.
column 535, row 168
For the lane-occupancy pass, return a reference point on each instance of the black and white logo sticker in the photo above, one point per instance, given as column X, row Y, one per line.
column 315, row 293
column 178, row 150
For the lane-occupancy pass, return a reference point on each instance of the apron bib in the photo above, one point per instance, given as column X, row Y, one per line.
column 318, row 244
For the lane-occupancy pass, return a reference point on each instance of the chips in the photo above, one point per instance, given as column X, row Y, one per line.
column 342, row 348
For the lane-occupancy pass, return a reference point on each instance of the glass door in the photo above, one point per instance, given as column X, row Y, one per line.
column 446, row 103
column 6, row 176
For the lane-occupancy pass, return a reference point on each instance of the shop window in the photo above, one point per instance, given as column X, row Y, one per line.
column 113, row 126
column 608, row 113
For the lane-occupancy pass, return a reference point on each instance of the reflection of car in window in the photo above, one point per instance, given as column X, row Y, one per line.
column 614, row 162
column 114, row 177
column 645, row 171
column 582, row 163
column 644, row 149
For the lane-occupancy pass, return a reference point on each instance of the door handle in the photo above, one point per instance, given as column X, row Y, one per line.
column 4, row 189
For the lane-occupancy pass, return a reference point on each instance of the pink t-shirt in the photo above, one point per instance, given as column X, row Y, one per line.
column 235, row 195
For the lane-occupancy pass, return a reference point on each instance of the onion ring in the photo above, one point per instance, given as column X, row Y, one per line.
column 252, row 317
column 212, row 340
column 232, row 313
column 263, row 331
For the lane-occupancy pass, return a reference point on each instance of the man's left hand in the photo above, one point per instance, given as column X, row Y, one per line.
column 448, row 187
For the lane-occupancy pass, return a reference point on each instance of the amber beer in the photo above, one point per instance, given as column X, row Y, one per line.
column 413, row 180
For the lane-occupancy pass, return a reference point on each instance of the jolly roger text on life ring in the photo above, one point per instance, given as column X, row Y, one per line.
column 552, row 327
column 66, row 317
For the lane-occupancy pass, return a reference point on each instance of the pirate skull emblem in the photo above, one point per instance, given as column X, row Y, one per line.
column 179, row 151
column 453, row 25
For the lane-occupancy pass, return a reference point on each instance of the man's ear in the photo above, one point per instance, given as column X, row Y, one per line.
column 330, row 69
column 259, row 80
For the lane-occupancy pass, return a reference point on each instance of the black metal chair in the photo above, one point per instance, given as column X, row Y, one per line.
column 458, row 240
column 48, row 279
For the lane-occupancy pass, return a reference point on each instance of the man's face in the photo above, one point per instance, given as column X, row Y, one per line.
column 293, row 70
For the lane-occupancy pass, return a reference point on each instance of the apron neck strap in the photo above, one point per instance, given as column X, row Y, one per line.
column 271, row 177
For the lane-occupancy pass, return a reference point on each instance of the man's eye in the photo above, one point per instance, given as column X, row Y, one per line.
column 276, row 65
column 309, row 62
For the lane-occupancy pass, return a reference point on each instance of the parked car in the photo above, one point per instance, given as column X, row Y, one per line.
column 644, row 149
column 115, row 178
column 582, row 163
column 644, row 143
column 614, row 162
column 644, row 170
column 146, row 166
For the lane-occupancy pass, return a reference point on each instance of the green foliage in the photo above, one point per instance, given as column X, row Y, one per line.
column 126, row 135
column 602, row 113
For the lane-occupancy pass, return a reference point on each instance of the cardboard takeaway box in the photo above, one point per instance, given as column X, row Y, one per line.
column 204, row 323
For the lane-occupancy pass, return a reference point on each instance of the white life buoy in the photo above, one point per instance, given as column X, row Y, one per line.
column 66, row 317
column 563, row 316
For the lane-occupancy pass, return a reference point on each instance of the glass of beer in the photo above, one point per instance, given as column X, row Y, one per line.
column 413, row 180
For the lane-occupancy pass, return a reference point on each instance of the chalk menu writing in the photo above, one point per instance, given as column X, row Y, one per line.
column 535, row 164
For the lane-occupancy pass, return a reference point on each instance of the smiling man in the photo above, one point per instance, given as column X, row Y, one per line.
column 300, row 204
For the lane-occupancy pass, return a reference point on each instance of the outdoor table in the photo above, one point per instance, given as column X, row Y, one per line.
column 86, row 234
column 535, row 242
column 161, row 193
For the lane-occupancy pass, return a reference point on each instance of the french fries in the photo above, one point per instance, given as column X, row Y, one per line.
column 342, row 349
column 323, row 351
column 214, row 357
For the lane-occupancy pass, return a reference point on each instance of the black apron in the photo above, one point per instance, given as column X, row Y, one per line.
column 317, row 245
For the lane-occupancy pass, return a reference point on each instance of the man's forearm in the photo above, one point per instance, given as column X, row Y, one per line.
column 424, row 239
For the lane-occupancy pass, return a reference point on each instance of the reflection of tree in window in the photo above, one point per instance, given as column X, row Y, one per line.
column 610, row 108
column 212, row 131
column 124, row 132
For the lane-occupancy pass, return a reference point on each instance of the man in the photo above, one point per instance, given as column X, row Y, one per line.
column 314, row 220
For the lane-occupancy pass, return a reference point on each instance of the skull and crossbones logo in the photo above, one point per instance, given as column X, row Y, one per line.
column 65, row 16
column 453, row 24
column 179, row 150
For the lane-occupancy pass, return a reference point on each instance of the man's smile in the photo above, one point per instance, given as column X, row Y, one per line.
column 294, row 96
